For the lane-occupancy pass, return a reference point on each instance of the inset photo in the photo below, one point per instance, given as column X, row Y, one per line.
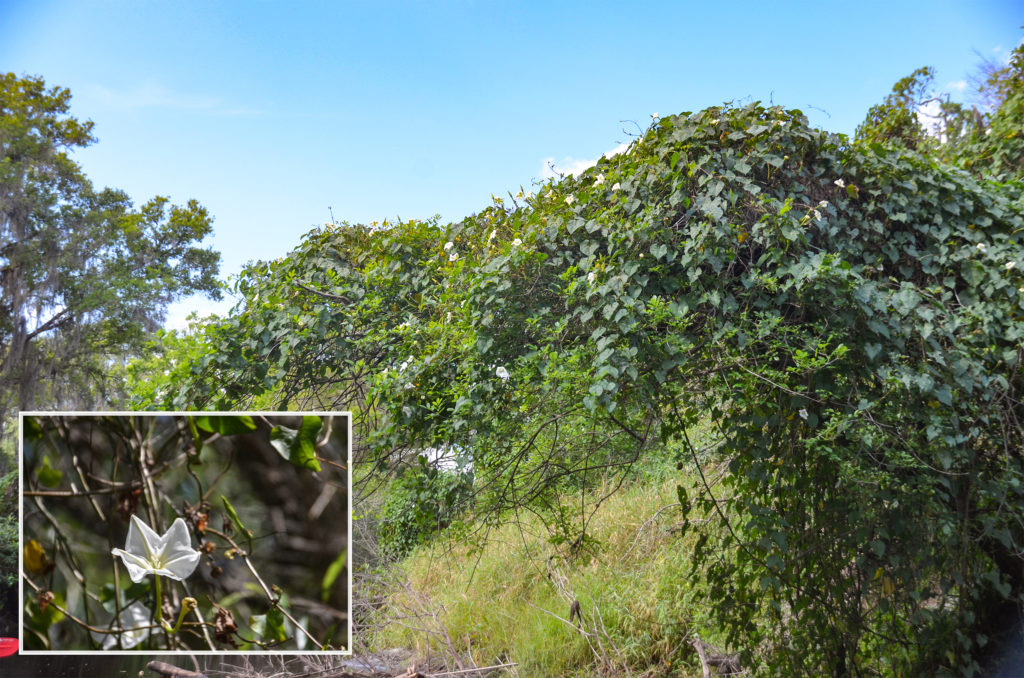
column 197, row 532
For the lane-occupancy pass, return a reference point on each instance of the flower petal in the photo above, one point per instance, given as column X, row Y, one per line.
column 168, row 555
column 142, row 540
column 138, row 566
column 131, row 618
column 181, row 565
column 177, row 556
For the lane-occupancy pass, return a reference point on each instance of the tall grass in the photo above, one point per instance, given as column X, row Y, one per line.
column 510, row 599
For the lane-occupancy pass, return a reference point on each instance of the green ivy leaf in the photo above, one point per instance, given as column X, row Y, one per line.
column 298, row 446
column 226, row 425
column 270, row 626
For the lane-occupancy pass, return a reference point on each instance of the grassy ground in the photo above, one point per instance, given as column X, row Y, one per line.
column 512, row 599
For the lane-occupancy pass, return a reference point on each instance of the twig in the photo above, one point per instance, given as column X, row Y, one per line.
column 325, row 295
column 172, row 671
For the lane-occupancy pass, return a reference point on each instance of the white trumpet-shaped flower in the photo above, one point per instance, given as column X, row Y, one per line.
column 133, row 623
column 169, row 555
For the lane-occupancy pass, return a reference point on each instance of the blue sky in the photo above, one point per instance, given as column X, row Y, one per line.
column 268, row 113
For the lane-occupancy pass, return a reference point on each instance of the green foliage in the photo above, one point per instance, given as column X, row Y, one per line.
column 226, row 426
column 846, row 313
column 639, row 600
column 989, row 142
column 421, row 501
column 336, row 567
column 153, row 379
column 895, row 119
column 9, row 553
column 75, row 551
column 1000, row 148
column 85, row 275
column 298, row 445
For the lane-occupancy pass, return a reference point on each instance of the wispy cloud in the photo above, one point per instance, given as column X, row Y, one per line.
column 154, row 95
column 569, row 165
column 1002, row 54
column 957, row 85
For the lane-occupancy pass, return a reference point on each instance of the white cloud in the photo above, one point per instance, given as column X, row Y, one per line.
column 928, row 116
column 621, row 148
column 569, row 165
column 1003, row 54
column 958, row 85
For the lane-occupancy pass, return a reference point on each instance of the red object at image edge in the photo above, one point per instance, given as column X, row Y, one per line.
column 8, row 646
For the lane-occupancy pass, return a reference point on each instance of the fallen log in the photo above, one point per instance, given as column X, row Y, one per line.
column 724, row 664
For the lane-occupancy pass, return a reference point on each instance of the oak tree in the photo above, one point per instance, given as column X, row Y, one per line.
column 85, row 275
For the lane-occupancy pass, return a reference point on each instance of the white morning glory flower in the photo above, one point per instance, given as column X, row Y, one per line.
column 517, row 242
column 981, row 247
column 569, row 200
column 494, row 234
column 132, row 617
column 170, row 555
column 1010, row 265
column 615, row 186
column 454, row 256
column 502, row 373
column 599, row 180
column 817, row 214
column 840, row 183
column 448, row 245
column 823, row 204
column 591, row 277
column 803, row 414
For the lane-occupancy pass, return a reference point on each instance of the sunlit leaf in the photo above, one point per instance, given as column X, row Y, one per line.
column 298, row 445
column 226, row 425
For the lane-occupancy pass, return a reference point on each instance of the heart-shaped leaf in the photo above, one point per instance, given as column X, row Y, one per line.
column 298, row 445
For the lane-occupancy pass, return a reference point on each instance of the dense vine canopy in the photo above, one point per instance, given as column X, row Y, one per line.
column 847, row 315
